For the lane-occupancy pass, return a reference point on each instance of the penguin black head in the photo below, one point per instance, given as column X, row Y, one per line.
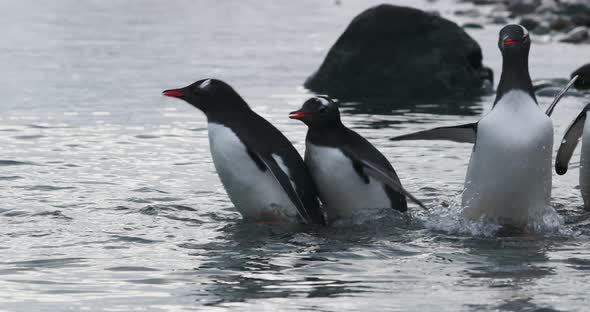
column 208, row 95
column 318, row 111
column 514, row 39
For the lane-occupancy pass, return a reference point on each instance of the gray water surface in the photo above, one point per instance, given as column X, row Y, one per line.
column 109, row 200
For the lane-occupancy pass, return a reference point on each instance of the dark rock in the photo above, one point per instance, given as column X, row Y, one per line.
column 499, row 19
column 472, row 26
column 576, row 35
column 539, row 84
column 548, row 91
column 542, row 29
column 392, row 51
column 548, row 6
column 529, row 22
column 468, row 13
column 581, row 19
column 583, row 82
column 484, row 2
column 561, row 24
column 523, row 6
column 575, row 6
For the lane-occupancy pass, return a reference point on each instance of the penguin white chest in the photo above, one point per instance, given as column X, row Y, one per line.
column 255, row 192
column 344, row 193
column 585, row 164
column 509, row 176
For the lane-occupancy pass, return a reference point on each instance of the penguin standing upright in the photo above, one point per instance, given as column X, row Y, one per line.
column 353, row 178
column 508, row 180
column 263, row 174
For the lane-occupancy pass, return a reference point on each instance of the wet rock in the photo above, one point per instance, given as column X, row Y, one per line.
column 540, row 84
column 576, row 35
column 561, row 24
column 575, row 6
column 548, row 6
column 542, row 29
column 548, row 91
column 581, row 19
column 544, row 17
column 484, row 2
column 523, row 6
column 468, row 13
column 583, row 82
column 472, row 26
column 529, row 22
column 499, row 16
column 393, row 51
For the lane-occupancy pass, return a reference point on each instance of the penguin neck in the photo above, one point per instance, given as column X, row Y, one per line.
column 234, row 114
column 325, row 134
column 515, row 76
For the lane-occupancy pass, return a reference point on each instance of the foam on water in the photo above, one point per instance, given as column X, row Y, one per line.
column 449, row 219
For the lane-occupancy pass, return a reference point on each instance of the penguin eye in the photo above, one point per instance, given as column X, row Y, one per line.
column 322, row 109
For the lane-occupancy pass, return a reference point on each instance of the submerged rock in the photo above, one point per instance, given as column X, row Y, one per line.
column 400, row 52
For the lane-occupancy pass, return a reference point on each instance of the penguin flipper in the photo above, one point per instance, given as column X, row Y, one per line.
column 285, row 182
column 384, row 176
column 560, row 95
column 466, row 133
column 570, row 141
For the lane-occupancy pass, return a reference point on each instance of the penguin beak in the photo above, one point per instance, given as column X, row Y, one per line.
column 507, row 42
column 297, row 115
column 173, row 93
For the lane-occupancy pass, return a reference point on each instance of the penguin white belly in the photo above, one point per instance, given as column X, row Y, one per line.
column 585, row 164
column 344, row 193
column 509, row 176
column 255, row 193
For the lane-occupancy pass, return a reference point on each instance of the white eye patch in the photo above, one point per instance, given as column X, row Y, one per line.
column 205, row 83
column 323, row 100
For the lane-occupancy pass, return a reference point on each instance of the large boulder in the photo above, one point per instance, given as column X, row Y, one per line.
column 392, row 51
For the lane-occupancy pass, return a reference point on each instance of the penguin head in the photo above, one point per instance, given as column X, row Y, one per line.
column 208, row 95
column 514, row 40
column 318, row 111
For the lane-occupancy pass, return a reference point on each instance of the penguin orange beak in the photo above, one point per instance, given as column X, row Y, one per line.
column 297, row 115
column 173, row 93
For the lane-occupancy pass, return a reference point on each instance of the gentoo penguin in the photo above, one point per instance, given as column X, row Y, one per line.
column 580, row 127
column 583, row 82
column 508, row 180
column 352, row 176
column 263, row 174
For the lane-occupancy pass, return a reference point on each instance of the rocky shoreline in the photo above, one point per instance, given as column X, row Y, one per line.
column 563, row 20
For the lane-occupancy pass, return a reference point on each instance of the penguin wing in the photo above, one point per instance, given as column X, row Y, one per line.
column 569, row 142
column 462, row 133
column 283, row 179
column 382, row 174
column 559, row 96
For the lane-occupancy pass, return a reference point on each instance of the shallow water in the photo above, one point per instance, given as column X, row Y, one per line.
column 109, row 199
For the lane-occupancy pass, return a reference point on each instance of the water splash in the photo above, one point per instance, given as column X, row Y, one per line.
column 449, row 219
